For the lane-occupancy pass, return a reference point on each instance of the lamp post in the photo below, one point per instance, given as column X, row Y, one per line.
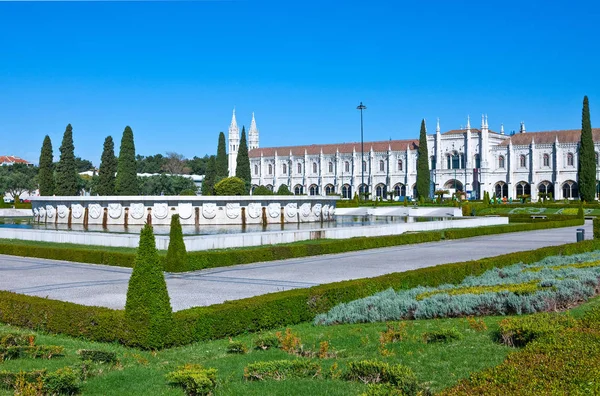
column 362, row 107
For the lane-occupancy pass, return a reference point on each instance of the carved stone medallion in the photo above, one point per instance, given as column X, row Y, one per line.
column 185, row 210
column 62, row 211
column 233, row 210
column 331, row 211
column 136, row 210
column 36, row 212
column 50, row 211
column 161, row 210
column 77, row 211
column 291, row 209
column 305, row 210
column 115, row 210
column 254, row 210
column 94, row 210
column 325, row 210
column 42, row 211
column 316, row 209
column 209, row 210
column 274, row 210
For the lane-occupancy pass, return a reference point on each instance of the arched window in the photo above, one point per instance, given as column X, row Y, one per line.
column 256, row 169
column 432, row 166
column 270, row 169
column 477, row 161
column 346, row 191
column 330, row 166
column 570, row 189
column 298, row 189
column 329, row 189
column 380, row 191
column 314, row 167
column 501, row 190
column 546, row 160
column 299, row 169
column 399, row 165
column 364, row 166
column 522, row 161
column 347, row 166
column 284, row 169
column 462, row 161
column 399, row 190
column 570, row 159
column 501, row 161
column 523, row 188
column 381, row 166
column 313, row 190
column 449, row 161
column 455, row 161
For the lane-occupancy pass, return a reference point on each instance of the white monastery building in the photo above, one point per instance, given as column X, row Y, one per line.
column 468, row 159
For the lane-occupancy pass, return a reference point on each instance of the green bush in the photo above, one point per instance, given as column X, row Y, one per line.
column 31, row 351
column 148, row 313
column 382, row 390
column 16, row 339
column 282, row 369
column 596, row 228
column 8, row 379
column 373, row 372
column 194, row 379
column 97, row 356
column 231, row 186
column 284, row 190
column 262, row 190
column 522, row 330
column 188, row 192
column 176, row 260
column 64, row 381
column 236, row 347
column 443, row 335
column 264, row 342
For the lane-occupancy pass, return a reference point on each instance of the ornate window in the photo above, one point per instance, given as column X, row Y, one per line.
column 399, row 164
column 570, row 159
column 284, row 169
column 299, row 169
column 432, row 162
column 314, row 167
column 455, row 161
column 364, row 166
column 522, row 161
column 256, row 169
column 570, row 189
column 330, row 167
column 381, row 166
column 347, row 166
column 546, row 160
column 501, row 161
column 270, row 169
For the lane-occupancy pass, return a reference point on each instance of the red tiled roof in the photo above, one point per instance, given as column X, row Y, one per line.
column 548, row 137
column 315, row 149
column 11, row 159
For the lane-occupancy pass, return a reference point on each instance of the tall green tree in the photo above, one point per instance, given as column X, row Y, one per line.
column 67, row 177
column 176, row 260
column 587, row 156
column 108, row 169
column 46, row 175
column 127, row 183
column 423, row 176
column 148, row 312
column 208, row 184
column 221, row 169
column 242, row 168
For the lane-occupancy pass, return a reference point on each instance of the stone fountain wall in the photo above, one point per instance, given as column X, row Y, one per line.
column 192, row 210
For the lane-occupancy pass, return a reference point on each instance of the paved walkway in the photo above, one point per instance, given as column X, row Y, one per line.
column 101, row 285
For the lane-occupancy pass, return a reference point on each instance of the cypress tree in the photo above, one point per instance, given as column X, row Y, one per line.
column 108, row 168
column 126, row 182
column 423, row 177
column 208, row 184
column 46, row 173
column 148, row 313
column 176, row 260
column 587, row 156
column 242, row 169
column 221, row 169
column 66, row 170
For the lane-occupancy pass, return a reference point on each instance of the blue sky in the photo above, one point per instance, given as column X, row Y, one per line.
column 173, row 71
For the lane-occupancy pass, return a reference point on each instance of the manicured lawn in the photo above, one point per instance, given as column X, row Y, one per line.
column 142, row 373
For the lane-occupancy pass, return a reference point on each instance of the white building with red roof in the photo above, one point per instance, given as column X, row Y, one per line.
column 11, row 160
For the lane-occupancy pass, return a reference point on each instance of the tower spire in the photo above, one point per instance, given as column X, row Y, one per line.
column 437, row 127
column 468, row 123
column 253, row 134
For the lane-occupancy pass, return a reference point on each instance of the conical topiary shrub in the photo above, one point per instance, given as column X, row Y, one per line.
column 176, row 260
column 148, row 313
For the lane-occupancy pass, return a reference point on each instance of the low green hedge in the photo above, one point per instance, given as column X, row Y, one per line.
column 596, row 228
column 502, row 229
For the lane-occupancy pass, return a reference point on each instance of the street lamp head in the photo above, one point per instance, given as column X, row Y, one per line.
column 361, row 107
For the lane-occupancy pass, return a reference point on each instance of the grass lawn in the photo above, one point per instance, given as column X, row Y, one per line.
column 142, row 373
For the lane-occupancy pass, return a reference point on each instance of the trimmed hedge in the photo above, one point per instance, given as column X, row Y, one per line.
column 252, row 314
column 596, row 228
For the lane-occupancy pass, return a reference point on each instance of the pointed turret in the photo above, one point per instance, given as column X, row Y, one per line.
column 253, row 134
column 468, row 123
column 501, row 129
column 522, row 128
column 234, row 143
column 437, row 127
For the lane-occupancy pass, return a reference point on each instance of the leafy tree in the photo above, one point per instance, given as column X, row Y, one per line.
column 46, row 174
column 208, row 184
column 83, row 165
column 176, row 260
column 148, row 312
column 262, row 190
column 221, row 169
column 230, row 186
column 587, row 156
column 198, row 165
column 67, row 177
column 284, row 190
column 18, row 179
column 175, row 164
column 423, row 176
column 126, row 182
column 150, row 164
column 165, row 185
column 242, row 169
column 108, row 168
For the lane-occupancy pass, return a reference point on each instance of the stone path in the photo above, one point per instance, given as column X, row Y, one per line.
column 101, row 285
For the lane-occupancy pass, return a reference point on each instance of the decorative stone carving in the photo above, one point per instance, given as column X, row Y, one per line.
column 62, row 211
column 161, row 210
column 50, row 211
column 331, row 211
column 305, row 210
column 233, row 210
column 35, row 212
column 137, row 210
column 291, row 209
column 77, row 211
column 316, row 209
column 254, row 210
column 185, row 210
column 209, row 210
column 274, row 210
column 325, row 211
column 94, row 210
column 115, row 210
column 42, row 212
